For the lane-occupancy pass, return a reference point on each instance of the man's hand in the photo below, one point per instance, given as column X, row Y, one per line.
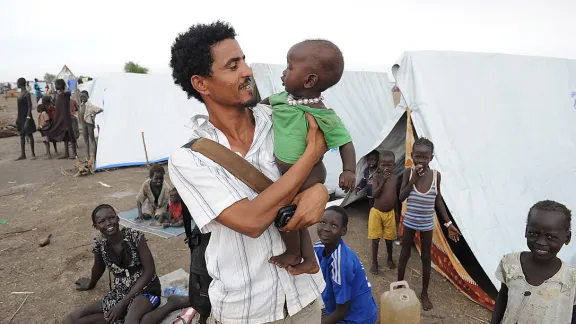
column 347, row 180
column 83, row 284
column 315, row 138
column 310, row 207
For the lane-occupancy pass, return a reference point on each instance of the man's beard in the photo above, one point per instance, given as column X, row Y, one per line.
column 249, row 104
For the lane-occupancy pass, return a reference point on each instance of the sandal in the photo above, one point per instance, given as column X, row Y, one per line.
column 186, row 317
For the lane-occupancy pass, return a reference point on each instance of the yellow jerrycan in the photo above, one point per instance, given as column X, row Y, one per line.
column 399, row 305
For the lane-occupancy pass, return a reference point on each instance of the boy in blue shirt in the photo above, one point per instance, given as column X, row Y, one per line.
column 348, row 294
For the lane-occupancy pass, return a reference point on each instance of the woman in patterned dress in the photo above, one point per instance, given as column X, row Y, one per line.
column 124, row 252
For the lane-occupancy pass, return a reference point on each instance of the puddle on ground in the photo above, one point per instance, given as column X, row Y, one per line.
column 120, row 194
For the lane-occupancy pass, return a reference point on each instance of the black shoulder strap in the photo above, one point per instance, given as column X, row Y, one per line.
column 187, row 218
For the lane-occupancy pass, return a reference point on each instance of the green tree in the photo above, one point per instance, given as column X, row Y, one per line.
column 49, row 77
column 131, row 67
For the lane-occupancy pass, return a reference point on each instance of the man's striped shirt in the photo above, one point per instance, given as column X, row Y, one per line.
column 245, row 287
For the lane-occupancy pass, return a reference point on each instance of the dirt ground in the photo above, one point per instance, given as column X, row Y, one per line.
column 40, row 197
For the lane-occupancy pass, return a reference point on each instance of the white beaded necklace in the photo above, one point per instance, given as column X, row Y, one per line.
column 293, row 102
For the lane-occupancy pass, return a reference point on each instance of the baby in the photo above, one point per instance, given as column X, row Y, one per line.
column 313, row 67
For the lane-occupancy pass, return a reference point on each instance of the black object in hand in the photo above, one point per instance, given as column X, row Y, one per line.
column 284, row 216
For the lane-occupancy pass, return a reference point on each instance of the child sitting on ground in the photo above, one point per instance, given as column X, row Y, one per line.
column 366, row 182
column 382, row 219
column 136, row 289
column 313, row 67
column 44, row 121
column 538, row 287
column 348, row 294
column 152, row 200
column 421, row 189
column 173, row 217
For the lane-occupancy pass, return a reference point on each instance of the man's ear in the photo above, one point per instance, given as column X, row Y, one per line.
column 432, row 158
column 569, row 238
column 344, row 230
column 199, row 84
column 311, row 81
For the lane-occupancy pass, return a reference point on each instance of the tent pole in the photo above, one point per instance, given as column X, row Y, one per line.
column 145, row 150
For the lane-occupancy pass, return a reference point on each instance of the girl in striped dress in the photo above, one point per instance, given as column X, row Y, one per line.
column 421, row 186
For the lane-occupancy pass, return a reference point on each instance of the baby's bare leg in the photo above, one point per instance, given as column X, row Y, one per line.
column 293, row 255
column 317, row 175
column 309, row 263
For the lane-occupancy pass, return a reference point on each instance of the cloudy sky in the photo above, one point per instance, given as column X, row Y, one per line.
column 96, row 37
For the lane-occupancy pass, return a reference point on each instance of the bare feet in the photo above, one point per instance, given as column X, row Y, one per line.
column 374, row 268
column 21, row 157
column 165, row 225
column 33, row 157
column 47, row 157
column 391, row 264
column 156, row 224
column 426, row 303
column 307, row 266
column 285, row 259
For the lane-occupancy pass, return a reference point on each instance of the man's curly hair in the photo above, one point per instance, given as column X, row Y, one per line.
column 192, row 53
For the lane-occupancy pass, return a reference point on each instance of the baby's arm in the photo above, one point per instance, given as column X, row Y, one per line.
column 348, row 175
column 501, row 304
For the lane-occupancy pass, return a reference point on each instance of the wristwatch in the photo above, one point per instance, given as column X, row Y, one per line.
column 448, row 224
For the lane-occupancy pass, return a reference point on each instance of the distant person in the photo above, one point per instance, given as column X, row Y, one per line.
column 538, row 287
column 173, row 217
column 366, row 182
column 421, row 189
column 86, row 116
column 51, row 111
column 382, row 219
column 348, row 294
column 44, row 121
column 24, row 122
column 37, row 90
column 136, row 289
column 75, row 128
column 61, row 127
column 152, row 200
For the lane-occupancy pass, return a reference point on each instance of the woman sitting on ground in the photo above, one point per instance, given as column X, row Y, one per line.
column 136, row 290
column 152, row 200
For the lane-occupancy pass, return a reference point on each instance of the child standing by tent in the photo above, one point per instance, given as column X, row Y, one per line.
column 382, row 218
column 366, row 182
column 538, row 287
column 421, row 186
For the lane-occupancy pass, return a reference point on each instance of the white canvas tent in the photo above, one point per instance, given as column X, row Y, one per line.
column 138, row 103
column 363, row 100
column 65, row 74
column 504, row 135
